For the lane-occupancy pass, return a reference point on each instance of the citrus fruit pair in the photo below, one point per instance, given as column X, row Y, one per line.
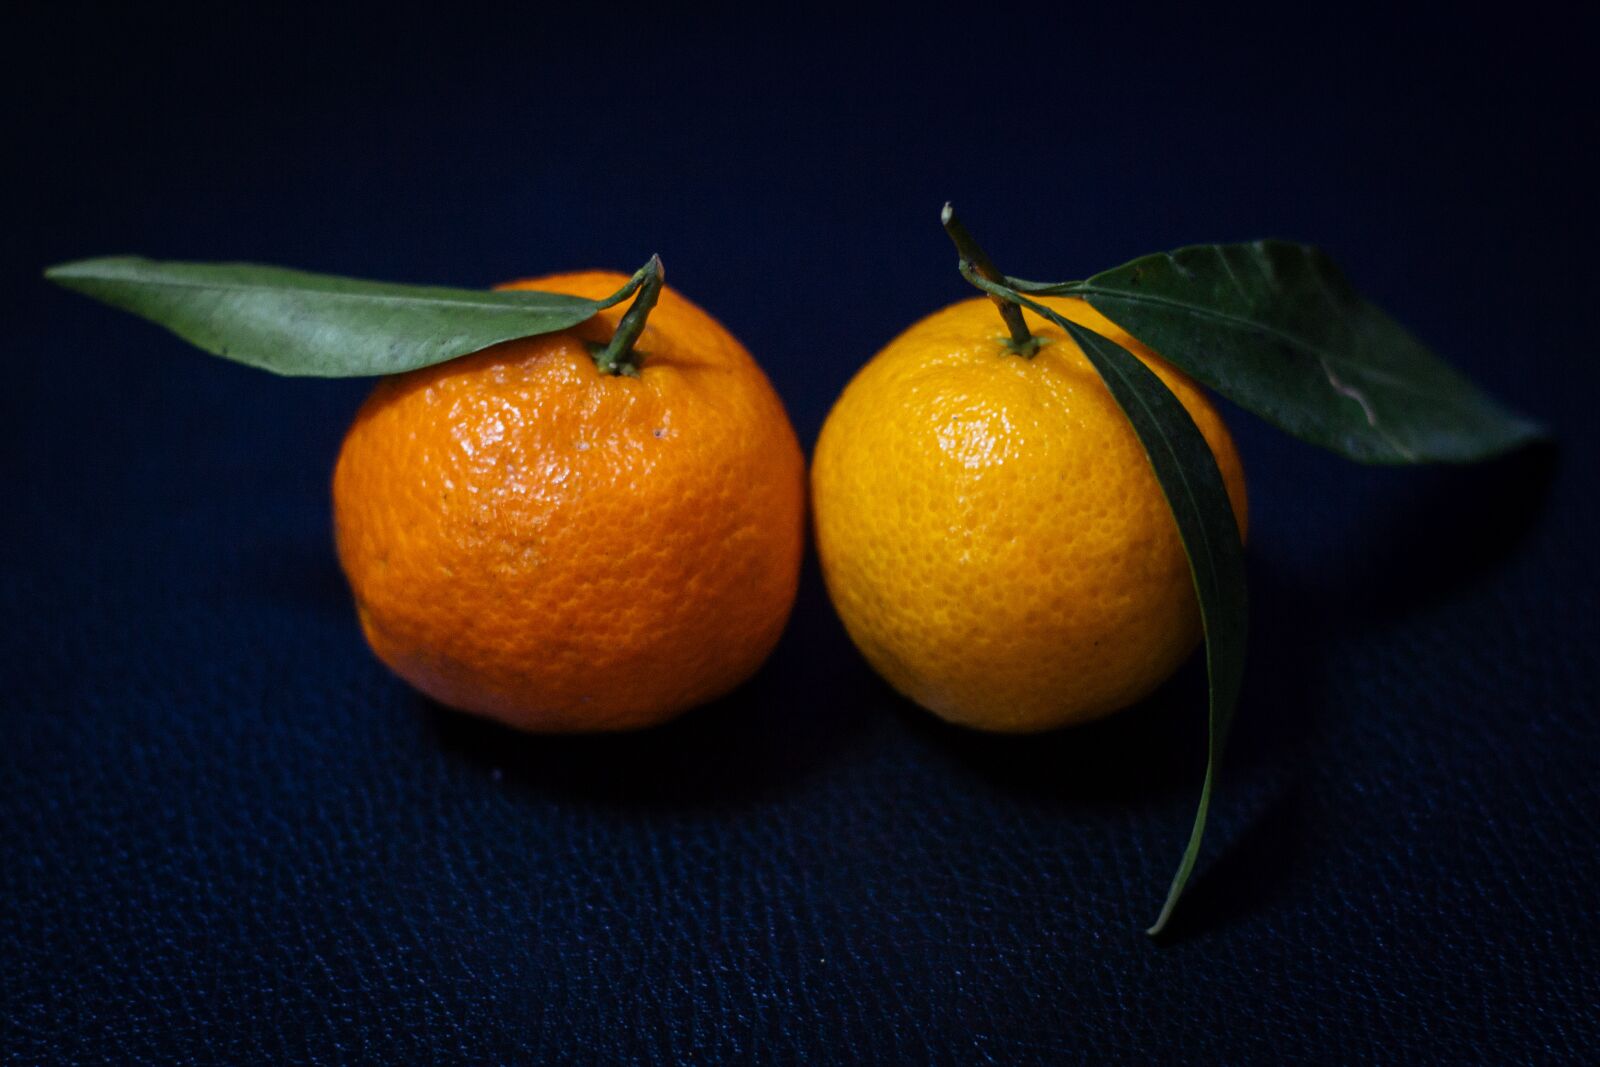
column 531, row 538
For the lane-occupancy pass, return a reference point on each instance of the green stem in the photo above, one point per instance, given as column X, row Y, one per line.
column 636, row 280
column 1022, row 341
column 618, row 356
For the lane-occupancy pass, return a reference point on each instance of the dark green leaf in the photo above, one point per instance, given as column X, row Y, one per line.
column 1277, row 329
column 1187, row 471
column 292, row 322
column 1198, row 497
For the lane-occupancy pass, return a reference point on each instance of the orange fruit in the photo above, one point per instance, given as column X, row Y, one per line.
column 561, row 549
column 991, row 531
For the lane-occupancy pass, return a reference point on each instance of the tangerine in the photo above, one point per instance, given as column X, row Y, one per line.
column 991, row 531
column 533, row 539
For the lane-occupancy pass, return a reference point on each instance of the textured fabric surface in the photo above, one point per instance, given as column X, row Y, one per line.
column 227, row 835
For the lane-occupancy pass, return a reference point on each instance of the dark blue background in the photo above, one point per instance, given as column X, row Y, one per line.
column 228, row 835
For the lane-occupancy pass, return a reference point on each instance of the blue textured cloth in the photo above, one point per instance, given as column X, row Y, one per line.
column 228, row 835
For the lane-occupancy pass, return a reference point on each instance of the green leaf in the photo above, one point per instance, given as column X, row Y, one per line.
column 1277, row 329
column 1198, row 497
column 292, row 322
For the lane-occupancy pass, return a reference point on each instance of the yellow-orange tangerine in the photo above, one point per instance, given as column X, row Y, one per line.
column 991, row 531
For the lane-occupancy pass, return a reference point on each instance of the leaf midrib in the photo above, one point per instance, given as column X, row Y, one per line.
column 1399, row 384
column 234, row 287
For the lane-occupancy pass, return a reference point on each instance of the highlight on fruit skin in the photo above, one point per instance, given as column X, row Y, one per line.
column 535, row 539
column 990, row 529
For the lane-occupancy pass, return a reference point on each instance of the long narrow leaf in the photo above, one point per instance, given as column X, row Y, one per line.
column 293, row 322
column 1193, row 485
column 1187, row 471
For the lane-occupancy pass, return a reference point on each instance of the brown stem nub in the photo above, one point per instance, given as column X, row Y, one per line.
column 1021, row 340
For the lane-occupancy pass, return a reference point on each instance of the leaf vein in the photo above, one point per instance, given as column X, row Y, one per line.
column 1399, row 384
column 292, row 293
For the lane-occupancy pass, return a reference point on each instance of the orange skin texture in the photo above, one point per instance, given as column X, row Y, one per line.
column 990, row 528
column 563, row 550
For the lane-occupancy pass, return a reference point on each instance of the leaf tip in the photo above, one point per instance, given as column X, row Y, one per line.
column 60, row 273
column 947, row 213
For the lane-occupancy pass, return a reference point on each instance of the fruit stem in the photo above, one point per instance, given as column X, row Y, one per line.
column 618, row 356
column 1022, row 342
